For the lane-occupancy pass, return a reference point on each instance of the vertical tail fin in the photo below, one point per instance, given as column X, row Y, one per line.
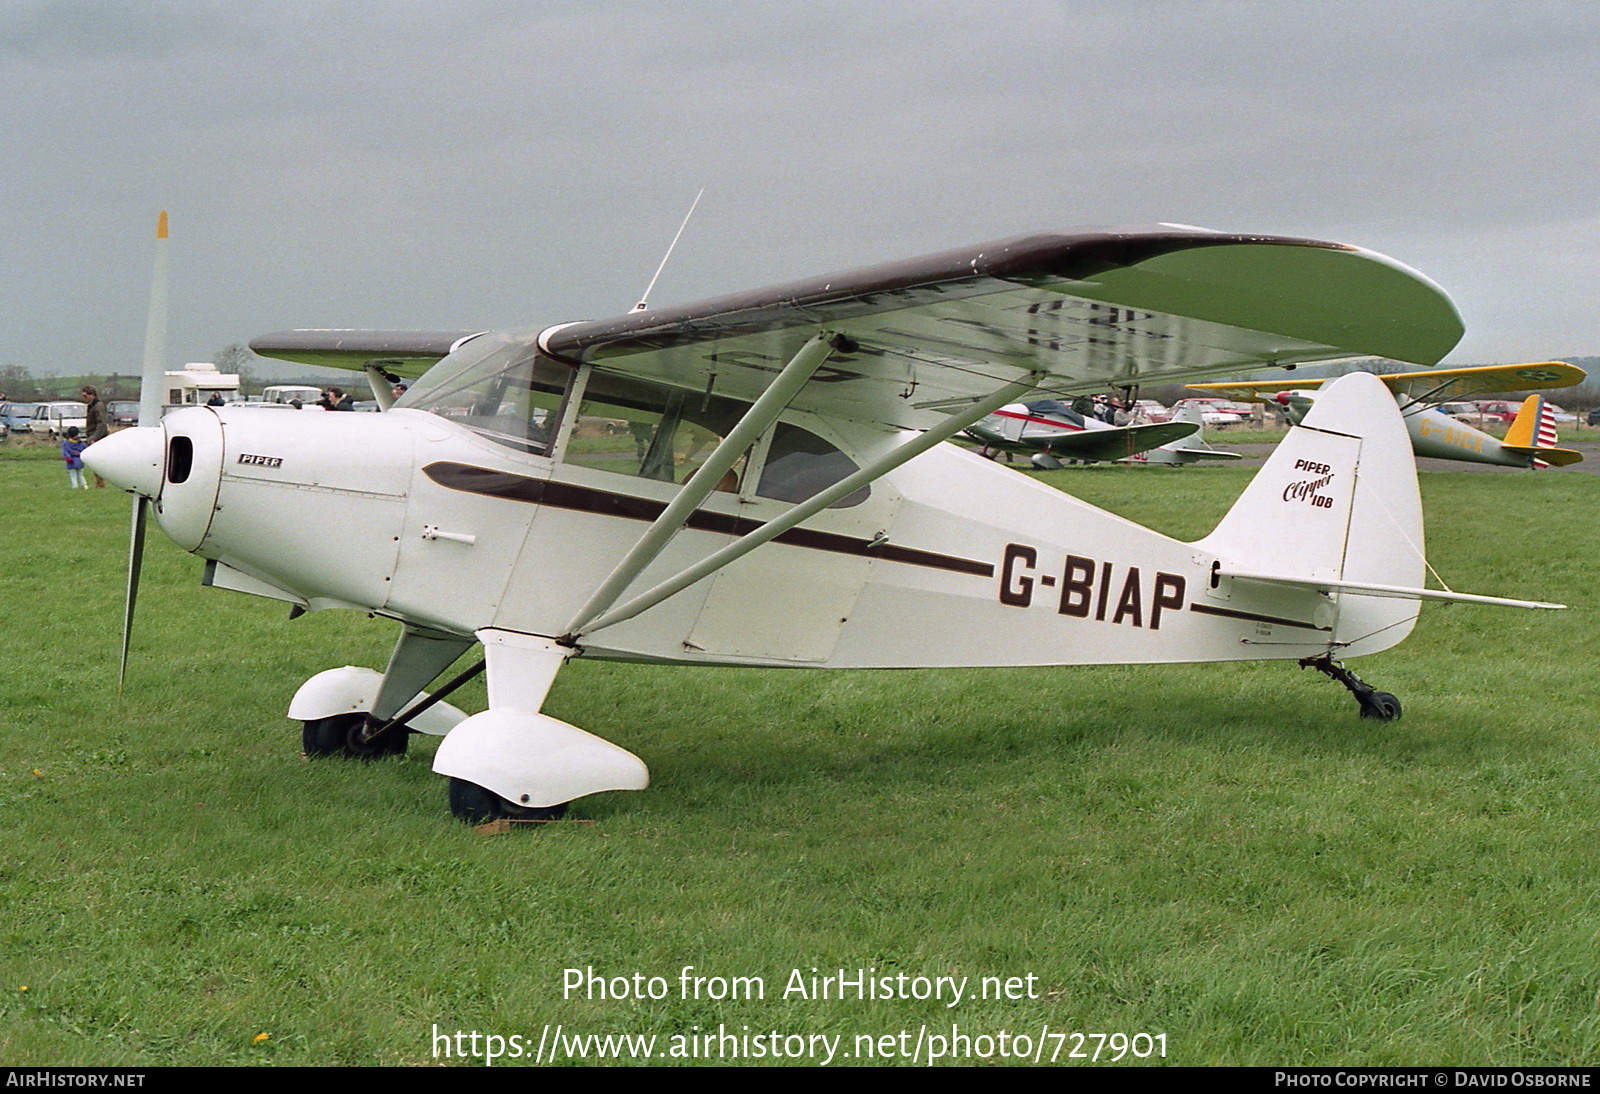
column 1195, row 440
column 1337, row 500
column 1533, row 427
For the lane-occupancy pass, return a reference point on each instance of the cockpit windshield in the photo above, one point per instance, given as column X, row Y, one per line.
column 1055, row 408
column 497, row 385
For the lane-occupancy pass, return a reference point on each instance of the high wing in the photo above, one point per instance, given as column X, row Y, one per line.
column 407, row 353
column 1433, row 386
column 1089, row 310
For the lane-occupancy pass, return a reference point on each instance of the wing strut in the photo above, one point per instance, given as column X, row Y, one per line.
column 848, row 485
column 382, row 385
column 762, row 413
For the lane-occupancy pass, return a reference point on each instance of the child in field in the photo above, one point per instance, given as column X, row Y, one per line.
column 72, row 451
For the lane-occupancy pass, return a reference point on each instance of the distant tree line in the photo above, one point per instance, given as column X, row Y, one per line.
column 21, row 386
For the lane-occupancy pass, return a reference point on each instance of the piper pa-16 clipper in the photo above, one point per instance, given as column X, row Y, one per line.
column 1530, row 442
column 759, row 479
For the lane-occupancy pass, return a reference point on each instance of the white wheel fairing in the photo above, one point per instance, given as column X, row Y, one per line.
column 535, row 760
column 352, row 689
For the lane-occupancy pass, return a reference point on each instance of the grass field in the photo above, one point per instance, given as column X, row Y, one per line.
column 1224, row 855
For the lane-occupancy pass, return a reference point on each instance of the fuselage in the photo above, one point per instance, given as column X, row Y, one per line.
column 1434, row 435
column 948, row 560
column 1034, row 425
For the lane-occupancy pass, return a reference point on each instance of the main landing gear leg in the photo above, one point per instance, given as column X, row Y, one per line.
column 1374, row 703
column 513, row 762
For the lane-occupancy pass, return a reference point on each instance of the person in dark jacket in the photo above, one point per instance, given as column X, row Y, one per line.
column 98, row 425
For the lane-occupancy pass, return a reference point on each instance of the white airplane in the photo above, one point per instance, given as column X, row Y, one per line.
column 1185, row 450
column 1048, row 431
column 1530, row 441
column 759, row 479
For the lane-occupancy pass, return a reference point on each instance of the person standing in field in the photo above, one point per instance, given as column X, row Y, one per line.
column 72, row 452
column 98, row 425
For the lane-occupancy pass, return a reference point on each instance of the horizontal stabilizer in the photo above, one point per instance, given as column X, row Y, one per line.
column 1555, row 457
column 1394, row 592
column 1188, row 455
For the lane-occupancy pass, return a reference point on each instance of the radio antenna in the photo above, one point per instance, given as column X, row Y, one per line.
column 643, row 303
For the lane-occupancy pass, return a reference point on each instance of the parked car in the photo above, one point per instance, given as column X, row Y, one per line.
column 1148, row 410
column 123, row 412
column 18, row 417
column 286, row 393
column 1499, row 410
column 54, row 419
column 1594, row 416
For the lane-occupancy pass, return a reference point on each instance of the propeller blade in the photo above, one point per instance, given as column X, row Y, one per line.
column 152, row 379
column 141, row 508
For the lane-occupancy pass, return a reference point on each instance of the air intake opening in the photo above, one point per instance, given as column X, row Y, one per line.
column 180, row 459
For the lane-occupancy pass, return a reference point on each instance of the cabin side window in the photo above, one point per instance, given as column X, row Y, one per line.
column 635, row 427
column 501, row 387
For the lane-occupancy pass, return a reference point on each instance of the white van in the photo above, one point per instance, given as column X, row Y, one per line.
column 287, row 393
column 53, row 419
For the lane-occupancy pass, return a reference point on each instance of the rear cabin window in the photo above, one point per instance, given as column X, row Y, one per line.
column 801, row 464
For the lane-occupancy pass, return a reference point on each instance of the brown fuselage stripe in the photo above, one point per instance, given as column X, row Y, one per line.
column 584, row 499
column 1206, row 609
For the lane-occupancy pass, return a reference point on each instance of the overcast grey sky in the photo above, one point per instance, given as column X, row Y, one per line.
column 495, row 164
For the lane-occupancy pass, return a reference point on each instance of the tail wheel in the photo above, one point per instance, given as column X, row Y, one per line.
column 340, row 736
column 1380, row 705
column 477, row 805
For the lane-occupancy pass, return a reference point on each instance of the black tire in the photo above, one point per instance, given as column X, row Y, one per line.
column 477, row 805
column 340, row 736
column 1381, row 706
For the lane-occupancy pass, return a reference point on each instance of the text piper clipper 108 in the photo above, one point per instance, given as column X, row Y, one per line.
column 759, row 480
